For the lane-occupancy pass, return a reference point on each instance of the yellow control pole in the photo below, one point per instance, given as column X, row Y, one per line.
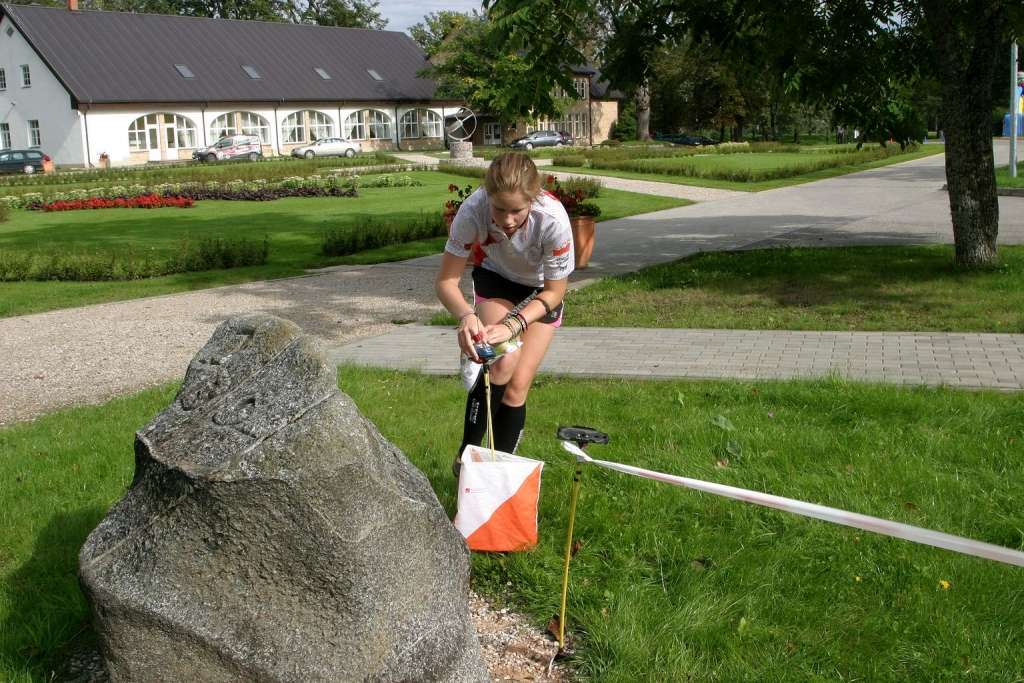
column 490, row 426
column 576, row 478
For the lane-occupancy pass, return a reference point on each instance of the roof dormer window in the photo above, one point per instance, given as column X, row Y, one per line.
column 251, row 70
column 184, row 71
column 374, row 75
column 321, row 73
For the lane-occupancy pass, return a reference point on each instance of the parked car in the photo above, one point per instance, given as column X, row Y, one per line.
column 22, row 160
column 566, row 138
column 540, row 138
column 328, row 147
column 684, row 139
column 231, row 147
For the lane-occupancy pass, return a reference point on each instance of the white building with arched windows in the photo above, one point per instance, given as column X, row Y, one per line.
column 141, row 88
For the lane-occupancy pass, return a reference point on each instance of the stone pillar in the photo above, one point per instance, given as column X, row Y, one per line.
column 461, row 151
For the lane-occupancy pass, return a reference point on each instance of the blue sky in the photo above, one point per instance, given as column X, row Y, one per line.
column 401, row 14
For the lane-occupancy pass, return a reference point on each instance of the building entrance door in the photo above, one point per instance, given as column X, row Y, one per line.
column 153, row 137
column 492, row 133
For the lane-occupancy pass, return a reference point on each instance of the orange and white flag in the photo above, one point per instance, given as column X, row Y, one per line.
column 498, row 498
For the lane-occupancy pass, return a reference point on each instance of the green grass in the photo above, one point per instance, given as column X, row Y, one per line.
column 855, row 288
column 293, row 226
column 668, row 585
column 1003, row 178
column 924, row 151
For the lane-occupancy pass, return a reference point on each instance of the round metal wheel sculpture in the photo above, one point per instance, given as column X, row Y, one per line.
column 462, row 126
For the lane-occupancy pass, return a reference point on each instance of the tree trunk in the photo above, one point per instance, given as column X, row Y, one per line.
column 967, row 42
column 643, row 111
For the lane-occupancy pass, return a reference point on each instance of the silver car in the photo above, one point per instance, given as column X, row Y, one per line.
column 328, row 147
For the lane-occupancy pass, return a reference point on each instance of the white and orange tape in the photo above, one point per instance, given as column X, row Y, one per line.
column 876, row 525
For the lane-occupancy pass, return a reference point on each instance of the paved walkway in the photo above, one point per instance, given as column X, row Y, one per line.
column 958, row 360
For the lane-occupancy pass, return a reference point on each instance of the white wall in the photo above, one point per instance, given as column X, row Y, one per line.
column 45, row 101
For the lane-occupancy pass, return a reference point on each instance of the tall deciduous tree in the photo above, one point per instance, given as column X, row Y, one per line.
column 431, row 33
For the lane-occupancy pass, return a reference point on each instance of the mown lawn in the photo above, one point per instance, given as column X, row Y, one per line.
column 759, row 160
column 293, row 226
column 1003, row 178
column 854, row 288
column 668, row 585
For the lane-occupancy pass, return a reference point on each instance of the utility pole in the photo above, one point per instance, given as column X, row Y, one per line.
column 1014, row 109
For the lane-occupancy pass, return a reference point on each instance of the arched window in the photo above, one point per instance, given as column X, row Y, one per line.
column 421, row 123
column 306, row 125
column 177, row 131
column 368, row 124
column 245, row 122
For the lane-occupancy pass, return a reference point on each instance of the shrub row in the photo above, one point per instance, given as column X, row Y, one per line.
column 373, row 234
column 461, row 169
column 270, row 169
column 393, row 180
column 234, row 189
column 748, row 175
column 208, row 253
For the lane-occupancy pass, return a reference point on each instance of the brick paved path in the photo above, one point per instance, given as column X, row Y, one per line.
column 959, row 360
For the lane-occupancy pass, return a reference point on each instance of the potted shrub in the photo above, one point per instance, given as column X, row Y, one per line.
column 582, row 218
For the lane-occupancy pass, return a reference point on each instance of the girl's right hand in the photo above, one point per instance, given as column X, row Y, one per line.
column 470, row 330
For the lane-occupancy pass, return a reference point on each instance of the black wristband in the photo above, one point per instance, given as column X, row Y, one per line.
column 545, row 305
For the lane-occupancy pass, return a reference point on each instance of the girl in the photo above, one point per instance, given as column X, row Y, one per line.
column 520, row 242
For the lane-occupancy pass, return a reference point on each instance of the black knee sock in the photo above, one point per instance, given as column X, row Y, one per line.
column 474, row 423
column 508, row 427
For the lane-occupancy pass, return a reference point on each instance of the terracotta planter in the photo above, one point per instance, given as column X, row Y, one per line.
column 583, row 238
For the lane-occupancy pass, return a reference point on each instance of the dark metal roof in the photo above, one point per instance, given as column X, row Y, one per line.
column 105, row 57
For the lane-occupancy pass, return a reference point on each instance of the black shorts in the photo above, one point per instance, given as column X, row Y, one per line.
column 489, row 285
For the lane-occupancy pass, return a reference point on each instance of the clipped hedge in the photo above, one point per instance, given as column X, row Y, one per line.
column 272, row 168
column 462, row 170
column 576, row 160
column 748, row 175
column 237, row 190
column 208, row 253
column 372, row 234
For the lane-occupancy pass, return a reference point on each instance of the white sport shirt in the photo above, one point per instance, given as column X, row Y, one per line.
column 541, row 250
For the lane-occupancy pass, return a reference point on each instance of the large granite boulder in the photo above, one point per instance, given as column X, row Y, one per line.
column 272, row 534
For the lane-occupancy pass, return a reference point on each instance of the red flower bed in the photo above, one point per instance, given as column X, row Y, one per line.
column 146, row 201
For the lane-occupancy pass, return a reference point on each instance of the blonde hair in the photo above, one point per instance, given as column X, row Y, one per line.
column 511, row 172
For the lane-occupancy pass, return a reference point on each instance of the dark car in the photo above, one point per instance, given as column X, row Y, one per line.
column 566, row 138
column 684, row 139
column 22, row 160
column 540, row 138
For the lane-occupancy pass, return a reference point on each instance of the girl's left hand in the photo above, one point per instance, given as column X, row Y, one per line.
column 496, row 334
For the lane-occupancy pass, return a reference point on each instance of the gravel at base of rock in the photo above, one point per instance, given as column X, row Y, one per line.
column 512, row 649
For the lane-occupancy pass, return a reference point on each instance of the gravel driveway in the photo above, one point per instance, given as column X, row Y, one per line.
column 90, row 354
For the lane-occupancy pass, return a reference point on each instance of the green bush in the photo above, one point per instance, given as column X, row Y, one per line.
column 693, row 169
column 575, row 160
column 393, row 180
column 373, row 234
column 208, row 253
column 590, row 187
column 460, row 169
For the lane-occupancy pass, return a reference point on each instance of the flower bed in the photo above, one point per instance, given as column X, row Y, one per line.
column 146, row 201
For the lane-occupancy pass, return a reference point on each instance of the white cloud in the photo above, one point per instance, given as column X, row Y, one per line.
column 401, row 14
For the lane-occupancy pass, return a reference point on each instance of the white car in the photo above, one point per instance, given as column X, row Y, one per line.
column 328, row 147
column 231, row 147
